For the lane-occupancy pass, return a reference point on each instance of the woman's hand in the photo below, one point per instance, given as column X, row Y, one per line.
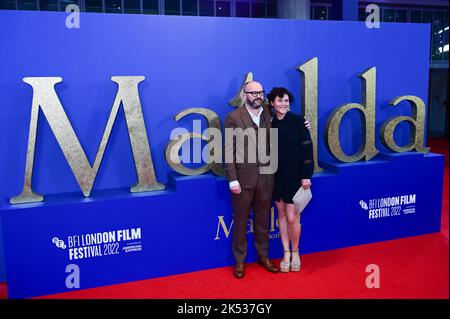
column 306, row 183
column 307, row 124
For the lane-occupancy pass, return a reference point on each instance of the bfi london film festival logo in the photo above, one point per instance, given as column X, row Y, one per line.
column 94, row 245
column 389, row 206
column 59, row 243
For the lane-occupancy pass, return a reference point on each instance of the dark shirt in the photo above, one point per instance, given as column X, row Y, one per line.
column 295, row 156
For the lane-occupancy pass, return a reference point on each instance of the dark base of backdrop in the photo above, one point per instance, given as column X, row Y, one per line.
column 192, row 219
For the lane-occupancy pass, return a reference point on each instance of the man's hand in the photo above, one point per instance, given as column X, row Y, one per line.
column 307, row 124
column 236, row 190
column 306, row 183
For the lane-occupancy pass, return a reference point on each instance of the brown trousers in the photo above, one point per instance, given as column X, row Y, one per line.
column 259, row 200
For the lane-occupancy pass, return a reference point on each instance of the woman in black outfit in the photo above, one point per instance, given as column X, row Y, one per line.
column 295, row 168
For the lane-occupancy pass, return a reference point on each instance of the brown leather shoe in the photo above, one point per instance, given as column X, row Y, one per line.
column 239, row 270
column 266, row 263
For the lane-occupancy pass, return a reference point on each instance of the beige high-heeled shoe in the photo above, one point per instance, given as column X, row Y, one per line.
column 295, row 262
column 285, row 265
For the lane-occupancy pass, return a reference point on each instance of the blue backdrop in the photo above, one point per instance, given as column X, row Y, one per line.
column 195, row 62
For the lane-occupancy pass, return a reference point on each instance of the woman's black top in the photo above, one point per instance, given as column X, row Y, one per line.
column 295, row 156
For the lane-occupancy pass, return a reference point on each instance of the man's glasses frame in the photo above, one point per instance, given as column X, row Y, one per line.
column 256, row 93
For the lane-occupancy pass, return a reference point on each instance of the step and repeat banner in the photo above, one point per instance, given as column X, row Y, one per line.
column 98, row 108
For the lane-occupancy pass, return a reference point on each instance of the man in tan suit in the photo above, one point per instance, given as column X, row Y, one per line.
column 250, row 188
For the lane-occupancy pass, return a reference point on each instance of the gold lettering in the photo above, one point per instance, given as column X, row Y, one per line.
column 367, row 117
column 224, row 228
column 309, row 94
column 416, row 123
column 250, row 226
column 46, row 99
column 238, row 100
column 214, row 144
column 272, row 219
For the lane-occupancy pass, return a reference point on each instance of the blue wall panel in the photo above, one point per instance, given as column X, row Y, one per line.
column 194, row 62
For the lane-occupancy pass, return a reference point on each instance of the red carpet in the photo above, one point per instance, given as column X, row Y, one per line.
column 415, row 267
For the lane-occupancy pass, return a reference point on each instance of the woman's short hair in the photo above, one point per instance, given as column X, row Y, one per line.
column 280, row 92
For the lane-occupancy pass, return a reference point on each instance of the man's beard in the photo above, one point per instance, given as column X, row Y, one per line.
column 253, row 104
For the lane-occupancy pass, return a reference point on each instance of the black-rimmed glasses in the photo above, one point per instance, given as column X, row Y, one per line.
column 256, row 93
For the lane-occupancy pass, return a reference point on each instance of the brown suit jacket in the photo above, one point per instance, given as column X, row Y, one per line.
column 247, row 173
